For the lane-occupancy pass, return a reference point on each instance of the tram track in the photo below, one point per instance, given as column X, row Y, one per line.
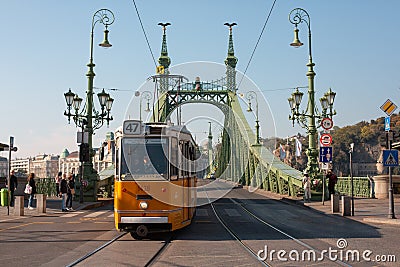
column 147, row 259
column 90, row 254
column 157, row 255
column 247, row 247
column 233, row 234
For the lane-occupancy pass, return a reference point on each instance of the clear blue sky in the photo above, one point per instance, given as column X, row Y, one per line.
column 45, row 49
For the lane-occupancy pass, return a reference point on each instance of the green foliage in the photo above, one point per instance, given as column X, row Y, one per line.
column 367, row 139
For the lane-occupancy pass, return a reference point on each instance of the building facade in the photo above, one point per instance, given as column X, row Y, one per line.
column 44, row 166
column 3, row 167
column 21, row 166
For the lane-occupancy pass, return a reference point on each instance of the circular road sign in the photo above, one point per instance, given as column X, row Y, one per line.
column 327, row 123
column 325, row 139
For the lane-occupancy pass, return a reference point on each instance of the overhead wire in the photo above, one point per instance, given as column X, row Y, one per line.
column 144, row 32
column 259, row 38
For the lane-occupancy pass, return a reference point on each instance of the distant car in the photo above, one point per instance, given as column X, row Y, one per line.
column 212, row 176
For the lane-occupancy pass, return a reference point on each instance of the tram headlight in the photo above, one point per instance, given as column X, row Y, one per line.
column 143, row 205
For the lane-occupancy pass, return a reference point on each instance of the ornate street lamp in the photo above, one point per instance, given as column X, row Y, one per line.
column 307, row 119
column 89, row 118
column 147, row 96
column 250, row 95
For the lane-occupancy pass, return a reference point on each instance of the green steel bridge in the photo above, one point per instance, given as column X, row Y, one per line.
column 241, row 158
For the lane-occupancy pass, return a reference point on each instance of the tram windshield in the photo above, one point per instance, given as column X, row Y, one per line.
column 144, row 159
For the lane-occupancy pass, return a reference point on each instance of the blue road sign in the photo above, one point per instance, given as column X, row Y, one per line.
column 387, row 124
column 390, row 158
column 325, row 154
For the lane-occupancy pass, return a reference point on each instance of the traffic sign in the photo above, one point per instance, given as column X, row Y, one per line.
column 327, row 123
column 390, row 158
column 325, row 154
column 325, row 139
column 388, row 107
column 387, row 124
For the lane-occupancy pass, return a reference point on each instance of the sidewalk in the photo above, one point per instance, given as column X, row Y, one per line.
column 53, row 206
column 367, row 210
column 370, row 210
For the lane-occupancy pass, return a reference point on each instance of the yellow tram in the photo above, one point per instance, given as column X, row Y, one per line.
column 155, row 179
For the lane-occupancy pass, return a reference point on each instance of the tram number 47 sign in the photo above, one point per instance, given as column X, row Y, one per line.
column 325, row 154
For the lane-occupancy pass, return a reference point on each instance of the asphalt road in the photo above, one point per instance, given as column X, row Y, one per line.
column 58, row 239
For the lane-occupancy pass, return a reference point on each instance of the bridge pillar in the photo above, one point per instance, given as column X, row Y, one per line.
column 19, row 206
column 334, row 203
column 41, row 203
column 346, row 206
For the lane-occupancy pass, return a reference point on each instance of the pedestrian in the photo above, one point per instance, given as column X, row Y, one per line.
column 31, row 182
column 307, row 187
column 13, row 186
column 63, row 192
column 332, row 180
column 57, row 180
column 70, row 191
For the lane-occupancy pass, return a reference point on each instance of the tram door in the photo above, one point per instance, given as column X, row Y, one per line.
column 185, row 181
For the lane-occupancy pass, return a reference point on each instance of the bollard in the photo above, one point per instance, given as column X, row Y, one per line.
column 346, row 207
column 334, row 203
column 41, row 203
column 19, row 206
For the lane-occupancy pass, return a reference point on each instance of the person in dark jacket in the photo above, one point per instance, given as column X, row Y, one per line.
column 63, row 192
column 13, row 186
column 31, row 182
column 332, row 180
column 71, row 189
column 57, row 179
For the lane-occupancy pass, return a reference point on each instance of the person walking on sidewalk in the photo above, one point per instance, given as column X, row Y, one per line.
column 70, row 191
column 307, row 187
column 63, row 192
column 332, row 180
column 57, row 180
column 31, row 182
column 13, row 186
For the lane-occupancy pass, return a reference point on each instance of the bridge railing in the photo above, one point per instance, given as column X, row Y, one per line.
column 361, row 186
column 46, row 186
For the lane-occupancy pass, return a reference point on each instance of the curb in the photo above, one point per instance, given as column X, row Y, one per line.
column 97, row 204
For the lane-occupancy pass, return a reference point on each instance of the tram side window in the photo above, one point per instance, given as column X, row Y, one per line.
column 117, row 164
column 184, row 147
column 174, row 159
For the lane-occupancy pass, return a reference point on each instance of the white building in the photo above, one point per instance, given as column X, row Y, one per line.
column 44, row 166
column 22, row 166
column 69, row 162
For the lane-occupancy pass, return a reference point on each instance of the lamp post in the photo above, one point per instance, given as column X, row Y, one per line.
column 147, row 96
column 307, row 119
column 250, row 96
column 351, row 150
column 89, row 118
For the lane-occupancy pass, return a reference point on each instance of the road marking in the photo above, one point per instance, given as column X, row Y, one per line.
column 72, row 214
column 95, row 214
column 22, row 225
column 232, row 212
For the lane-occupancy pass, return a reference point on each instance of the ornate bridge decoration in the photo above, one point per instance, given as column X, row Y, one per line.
column 239, row 158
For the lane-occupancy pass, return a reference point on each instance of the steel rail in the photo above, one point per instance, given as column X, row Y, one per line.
column 96, row 250
column 282, row 232
column 235, row 236
column 159, row 252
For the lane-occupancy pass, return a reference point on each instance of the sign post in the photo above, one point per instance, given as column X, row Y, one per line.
column 390, row 157
column 325, row 153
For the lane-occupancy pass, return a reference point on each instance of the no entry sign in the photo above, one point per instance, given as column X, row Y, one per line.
column 325, row 139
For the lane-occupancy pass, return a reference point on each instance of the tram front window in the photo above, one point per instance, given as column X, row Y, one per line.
column 144, row 159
